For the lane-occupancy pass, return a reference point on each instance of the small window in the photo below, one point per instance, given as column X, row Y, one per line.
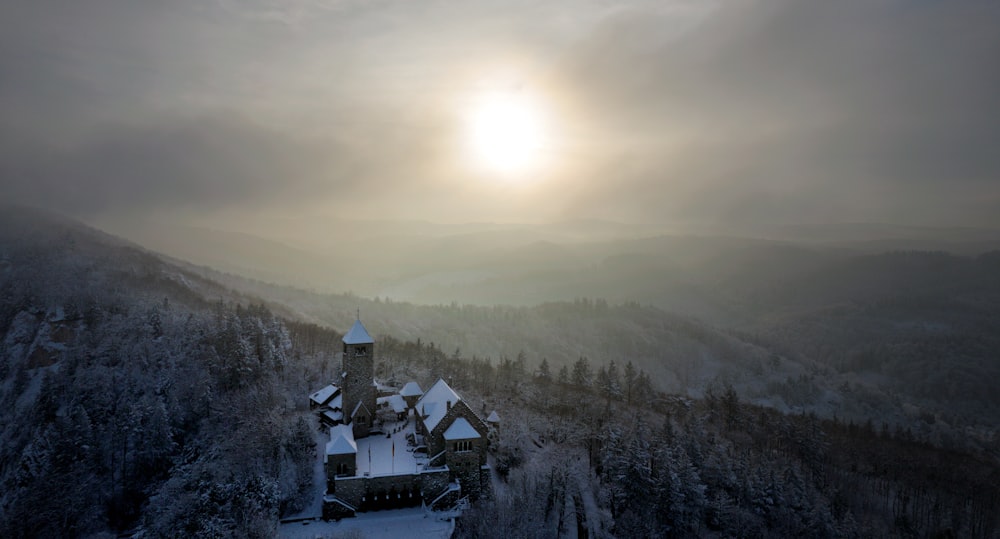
column 362, row 420
column 463, row 446
column 361, row 351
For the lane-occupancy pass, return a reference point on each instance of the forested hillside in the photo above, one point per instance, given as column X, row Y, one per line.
column 140, row 396
column 923, row 324
column 593, row 452
column 867, row 346
column 135, row 397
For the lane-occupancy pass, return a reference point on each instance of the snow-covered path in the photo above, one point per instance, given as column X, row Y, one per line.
column 315, row 507
column 411, row 522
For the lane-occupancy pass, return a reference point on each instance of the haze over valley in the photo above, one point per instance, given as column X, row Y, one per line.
column 668, row 269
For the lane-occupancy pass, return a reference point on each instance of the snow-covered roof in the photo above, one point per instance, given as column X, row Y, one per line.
column 493, row 418
column 434, row 403
column 411, row 389
column 460, row 429
column 337, row 403
column 358, row 335
column 397, row 403
column 323, row 395
column 341, row 441
column 334, row 416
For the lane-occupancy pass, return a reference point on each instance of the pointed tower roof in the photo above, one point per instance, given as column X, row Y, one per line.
column 494, row 417
column 358, row 335
column 411, row 389
column 341, row 441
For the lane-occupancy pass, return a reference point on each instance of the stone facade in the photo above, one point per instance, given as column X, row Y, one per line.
column 340, row 465
column 465, row 456
column 357, row 380
column 359, row 369
column 435, row 438
column 466, row 469
column 345, row 495
column 455, row 464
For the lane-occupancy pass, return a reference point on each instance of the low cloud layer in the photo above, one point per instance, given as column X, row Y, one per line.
column 729, row 112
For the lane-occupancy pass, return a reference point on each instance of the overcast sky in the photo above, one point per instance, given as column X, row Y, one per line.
column 665, row 111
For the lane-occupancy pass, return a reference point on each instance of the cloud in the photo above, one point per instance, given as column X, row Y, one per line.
column 198, row 162
column 792, row 105
column 754, row 110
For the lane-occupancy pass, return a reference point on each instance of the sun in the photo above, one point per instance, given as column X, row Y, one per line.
column 507, row 133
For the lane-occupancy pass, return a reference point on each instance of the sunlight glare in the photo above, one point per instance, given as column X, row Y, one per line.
column 507, row 133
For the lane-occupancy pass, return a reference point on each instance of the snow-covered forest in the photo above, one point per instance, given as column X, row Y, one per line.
column 592, row 451
column 132, row 402
column 901, row 338
column 142, row 398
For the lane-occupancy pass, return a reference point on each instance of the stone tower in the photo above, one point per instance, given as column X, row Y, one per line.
column 358, row 383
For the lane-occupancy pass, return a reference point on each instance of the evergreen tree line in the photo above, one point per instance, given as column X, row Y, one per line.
column 671, row 466
column 163, row 415
column 662, row 465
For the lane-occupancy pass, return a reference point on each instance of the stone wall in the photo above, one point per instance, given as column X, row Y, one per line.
column 391, row 491
column 358, row 364
column 331, row 466
column 349, row 489
column 435, row 480
column 332, row 510
column 464, row 466
column 384, row 491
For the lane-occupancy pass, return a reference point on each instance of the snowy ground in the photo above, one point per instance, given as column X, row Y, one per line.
column 382, row 461
column 411, row 522
column 389, row 455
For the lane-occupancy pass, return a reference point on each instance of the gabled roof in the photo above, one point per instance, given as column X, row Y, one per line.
column 460, row 429
column 337, row 403
column 397, row 403
column 360, row 405
column 358, row 335
column 493, row 418
column 341, row 441
column 411, row 389
column 434, row 403
column 322, row 396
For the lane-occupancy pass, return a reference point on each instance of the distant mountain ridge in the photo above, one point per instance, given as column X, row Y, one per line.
column 790, row 326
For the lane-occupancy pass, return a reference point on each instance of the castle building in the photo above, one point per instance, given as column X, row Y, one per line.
column 358, row 380
column 402, row 449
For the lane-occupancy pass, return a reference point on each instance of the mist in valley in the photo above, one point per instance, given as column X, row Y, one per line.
column 722, row 269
